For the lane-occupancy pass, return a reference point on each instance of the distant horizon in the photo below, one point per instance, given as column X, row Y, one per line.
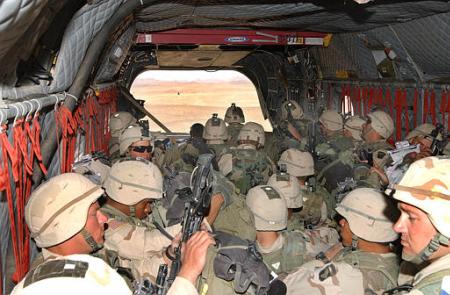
column 180, row 98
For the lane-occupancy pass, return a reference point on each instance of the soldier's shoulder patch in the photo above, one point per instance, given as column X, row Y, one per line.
column 445, row 286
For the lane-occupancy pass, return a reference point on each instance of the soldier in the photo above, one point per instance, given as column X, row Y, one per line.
column 424, row 202
column 184, row 157
column 377, row 129
column 367, row 264
column 63, row 217
column 291, row 133
column 135, row 142
column 246, row 165
column 353, row 128
column 430, row 139
column 282, row 251
column 234, row 117
column 131, row 187
column 333, row 142
column 215, row 133
column 318, row 204
column 117, row 123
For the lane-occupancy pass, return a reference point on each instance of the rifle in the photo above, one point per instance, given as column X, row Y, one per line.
column 437, row 146
column 194, row 211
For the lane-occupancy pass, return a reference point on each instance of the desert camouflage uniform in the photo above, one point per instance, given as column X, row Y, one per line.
column 357, row 273
column 218, row 149
column 292, row 249
column 137, row 243
column 181, row 286
column 114, row 150
column 181, row 158
column 246, row 167
column 433, row 279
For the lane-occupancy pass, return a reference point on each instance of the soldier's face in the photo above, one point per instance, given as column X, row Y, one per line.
column 345, row 233
column 415, row 228
column 143, row 208
column 141, row 149
column 95, row 223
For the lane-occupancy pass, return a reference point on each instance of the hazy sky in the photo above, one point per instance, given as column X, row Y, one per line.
column 181, row 98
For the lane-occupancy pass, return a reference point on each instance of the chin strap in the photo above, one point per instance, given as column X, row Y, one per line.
column 90, row 240
column 132, row 211
column 355, row 240
column 426, row 253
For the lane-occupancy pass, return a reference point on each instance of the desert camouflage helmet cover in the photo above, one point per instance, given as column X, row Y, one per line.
column 423, row 130
column 292, row 107
column 366, row 211
column 215, row 129
column 234, row 114
column 354, row 126
column 382, row 123
column 131, row 135
column 268, row 207
column 252, row 131
column 58, row 208
column 298, row 163
column 426, row 185
column 331, row 120
column 132, row 180
column 289, row 188
column 119, row 121
column 73, row 274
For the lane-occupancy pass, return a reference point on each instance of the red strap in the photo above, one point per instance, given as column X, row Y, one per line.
column 357, row 100
column 432, row 109
column 388, row 102
column 370, row 99
column 415, row 107
column 364, row 99
column 9, row 153
column 406, row 110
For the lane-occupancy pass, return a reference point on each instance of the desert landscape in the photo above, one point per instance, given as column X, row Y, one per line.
column 179, row 98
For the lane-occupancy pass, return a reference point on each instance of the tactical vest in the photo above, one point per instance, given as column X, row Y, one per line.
column 249, row 168
column 236, row 219
column 312, row 212
column 290, row 256
column 368, row 263
column 218, row 149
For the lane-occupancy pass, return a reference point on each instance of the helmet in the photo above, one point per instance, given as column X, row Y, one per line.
column 366, row 211
column 297, row 163
column 215, row 130
column 426, row 185
column 289, row 188
column 423, row 130
column 252, row 131
column 292, row 107
column 331, row 120
column 234, row 114
column 133, row 180
column 130, row 135
column 268, row 207
column 58, row 208
column 94, row 168
column 72, row 274
column 119, row 121
column 382, row 123
column 354, row 126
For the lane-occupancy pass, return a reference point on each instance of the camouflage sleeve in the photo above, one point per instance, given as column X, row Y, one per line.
column 145, row 268
column 136, row 242
column 317, row 278
column 172, row 155
column 181, row 286
column 226, row 164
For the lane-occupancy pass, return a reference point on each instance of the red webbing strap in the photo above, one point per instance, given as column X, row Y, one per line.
column 345, row 91
column 432, row 108
column 9, row 155
column 401, row 107
column 68, row 140
column 388, row 102
column 415, row 107
column 379, row 97
column 34, row 134
column 443, row 105
column 356, row 99
column 370, row 99
column 364, row 100
column 406, row 110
